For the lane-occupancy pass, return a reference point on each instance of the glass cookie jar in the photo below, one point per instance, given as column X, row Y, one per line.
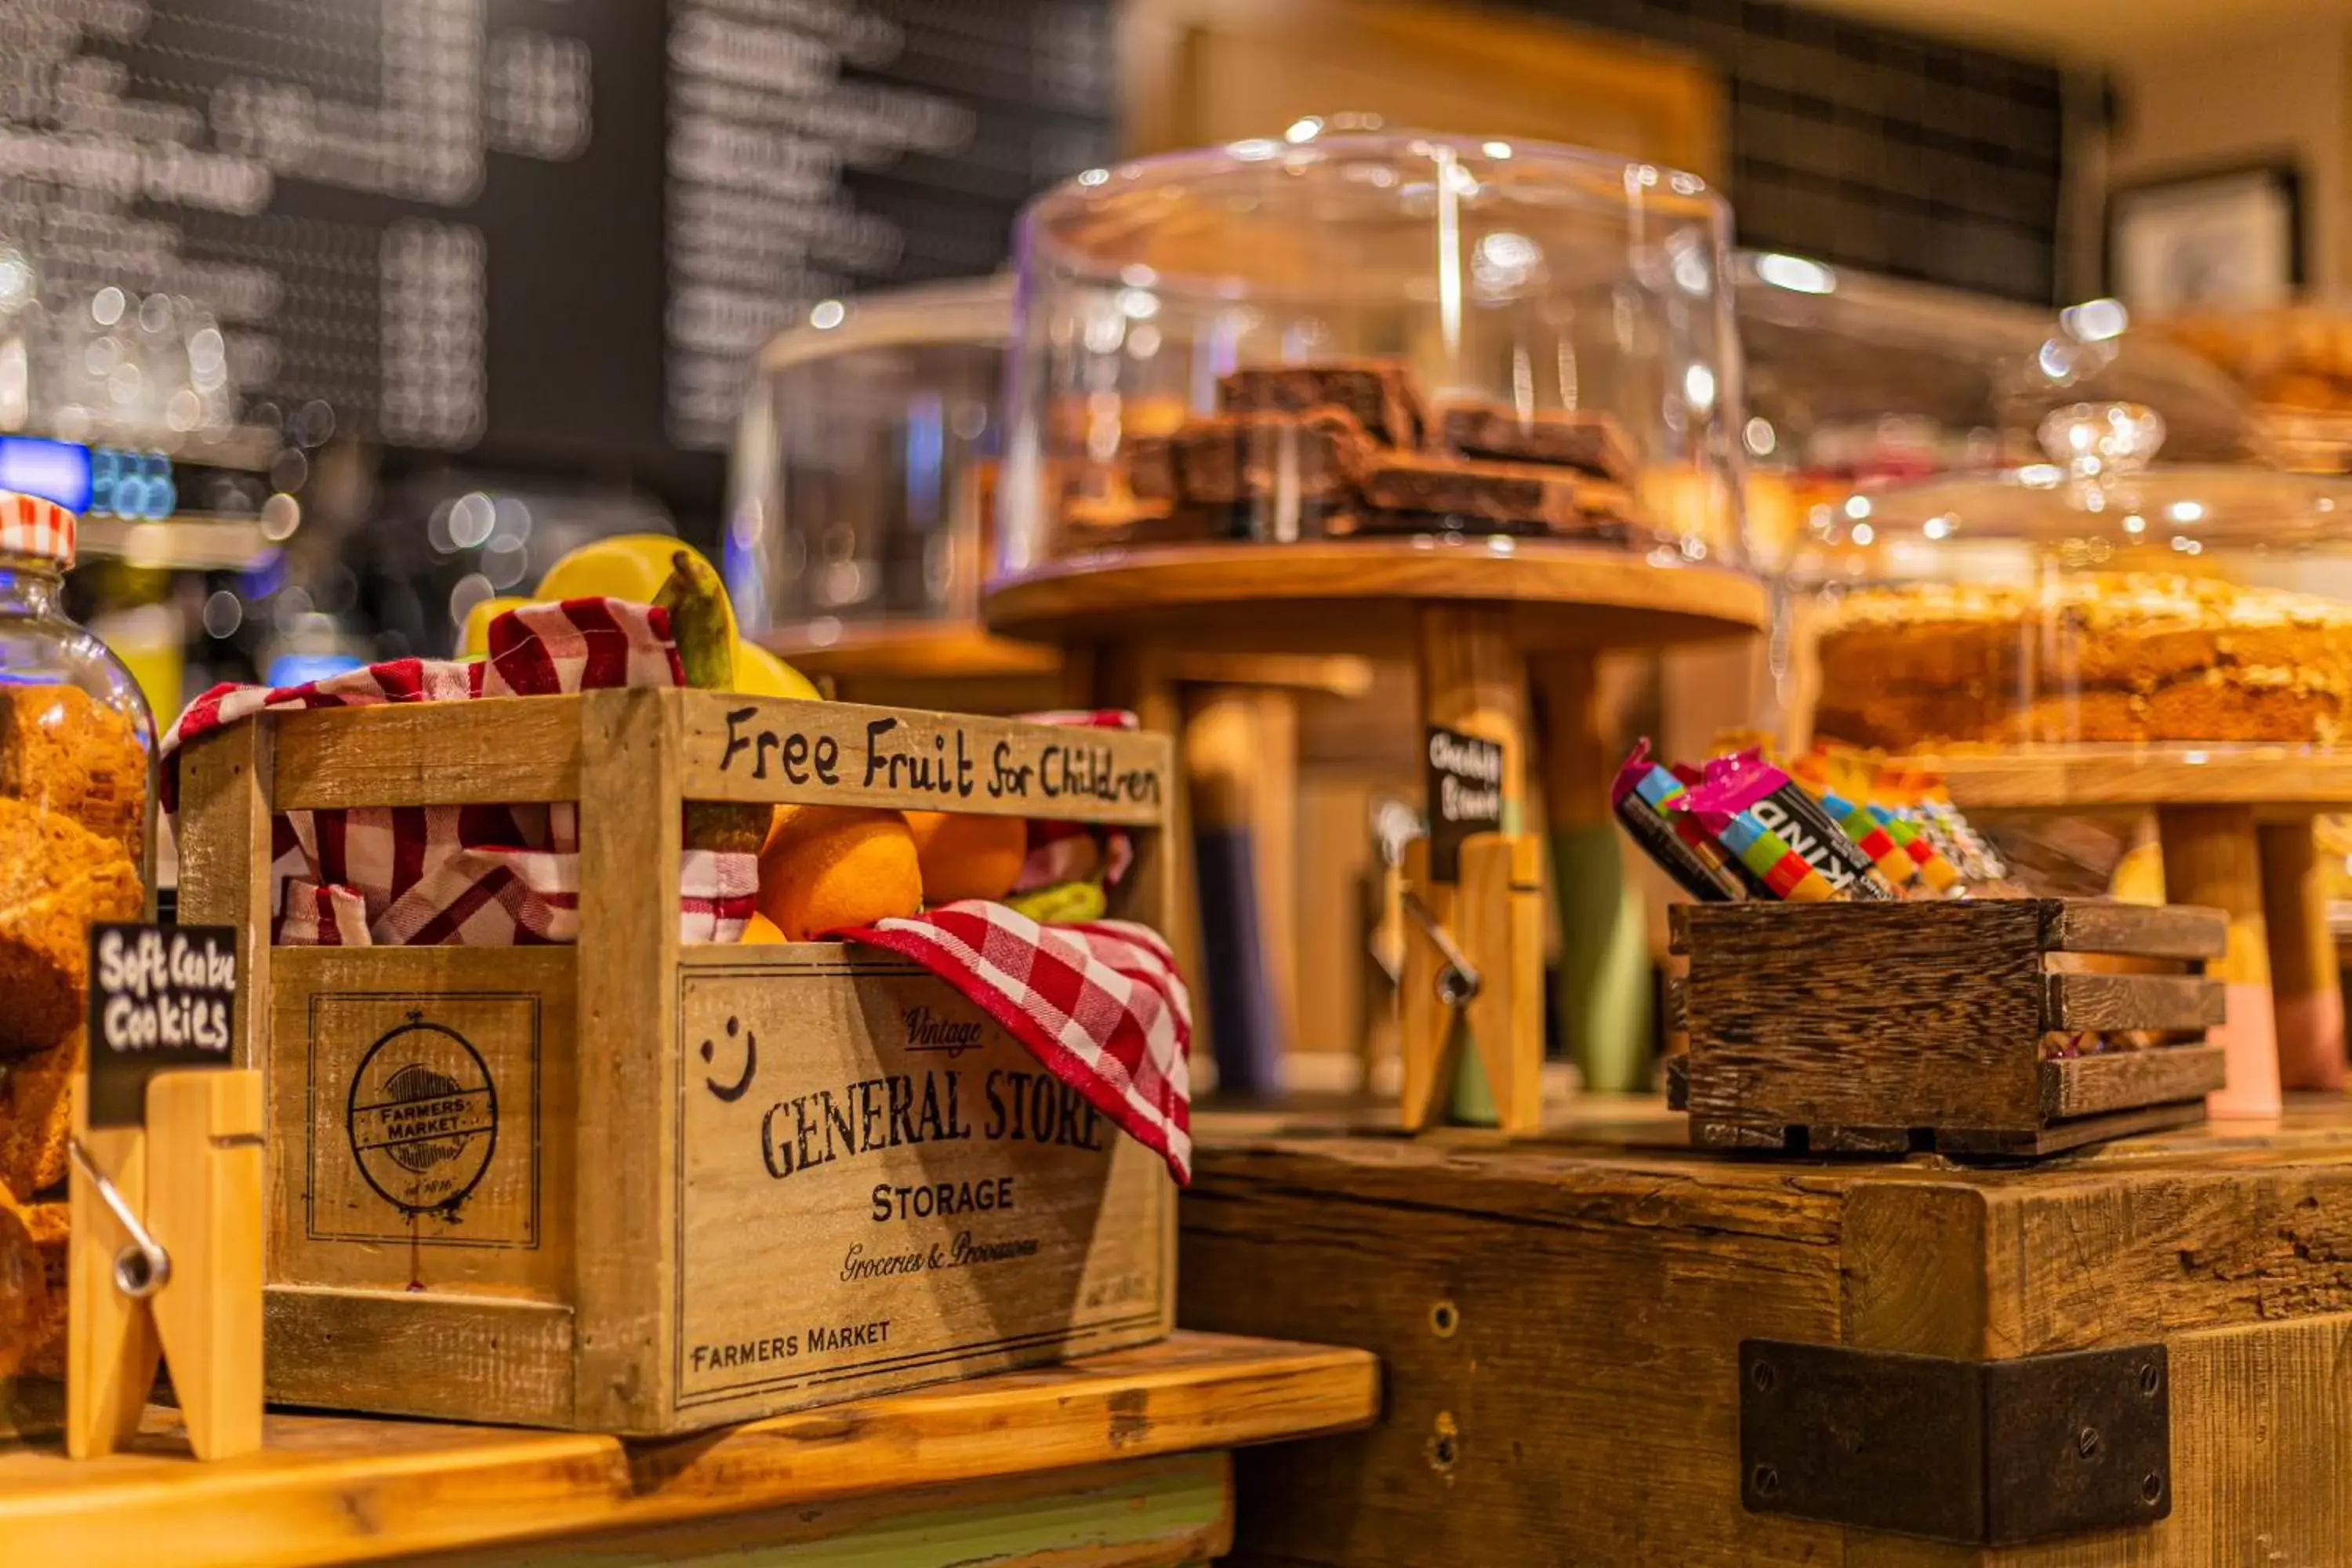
column 77, row 797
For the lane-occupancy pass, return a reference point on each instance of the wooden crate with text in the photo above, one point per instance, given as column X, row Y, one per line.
column 647, row 1186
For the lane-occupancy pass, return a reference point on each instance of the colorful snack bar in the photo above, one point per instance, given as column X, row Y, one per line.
column 1744, row 783
column 1643, row 798
column 1786, row 875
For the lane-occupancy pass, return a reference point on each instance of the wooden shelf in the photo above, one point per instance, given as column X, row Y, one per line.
column 911, row 650
column 2075, row 779
column 349, row 1489
column 1351, row 596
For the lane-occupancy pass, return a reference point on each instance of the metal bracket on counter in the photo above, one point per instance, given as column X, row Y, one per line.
column 1982, row 1453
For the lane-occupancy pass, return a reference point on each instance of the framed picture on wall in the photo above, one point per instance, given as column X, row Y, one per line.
column 2223, row 239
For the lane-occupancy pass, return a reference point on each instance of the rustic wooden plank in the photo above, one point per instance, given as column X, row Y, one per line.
column 337, row 1489
column 2262, row 1456
column 498, row 750
column 1707, row 1134
column 2167, row 931
column 2060, row 1136
column 224, row 846
column 1916, row 1014
column 2112, row 1003
column 1858, row 1139
column 2113, row 1080
column 1143, row 1513
column 492, row 1358
column 780, row 749
column 623, row 1235
column 1460, row 1269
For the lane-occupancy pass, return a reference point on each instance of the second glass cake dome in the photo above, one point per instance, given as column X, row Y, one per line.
column 1405, row 336
column 2098, row 597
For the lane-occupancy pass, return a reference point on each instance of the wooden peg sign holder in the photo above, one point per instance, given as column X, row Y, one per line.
column 166, row 1263
column 1475, row 956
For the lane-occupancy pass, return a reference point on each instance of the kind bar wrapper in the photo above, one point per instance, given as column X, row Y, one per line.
column 1938, row 873
column 1746, row 784
column 1643, row 798
column 1785, row 874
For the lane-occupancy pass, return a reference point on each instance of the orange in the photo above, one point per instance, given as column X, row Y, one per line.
column 827, row 867
column 966, row 856
column 760, row 932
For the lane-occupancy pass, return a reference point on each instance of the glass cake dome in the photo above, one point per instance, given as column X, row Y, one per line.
column 1342, row 335
column 865, row 460
column 2097, row 595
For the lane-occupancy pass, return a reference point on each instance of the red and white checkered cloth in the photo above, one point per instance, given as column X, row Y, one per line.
column 1099, row 1003
column 475, row 876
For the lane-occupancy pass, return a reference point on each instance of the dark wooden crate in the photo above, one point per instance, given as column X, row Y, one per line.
column 1881, row 1028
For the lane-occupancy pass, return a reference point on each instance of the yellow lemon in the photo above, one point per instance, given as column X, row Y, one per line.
column 759, row 673
column 474, row 641
column 760, row 931
column 631, row 566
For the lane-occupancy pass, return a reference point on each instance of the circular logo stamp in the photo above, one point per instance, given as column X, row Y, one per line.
column 423, row 1117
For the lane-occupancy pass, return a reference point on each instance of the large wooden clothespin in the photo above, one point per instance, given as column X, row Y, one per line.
column 1474, row 959
column 166, row 1263
column 1473, row 890
column 164, row 1260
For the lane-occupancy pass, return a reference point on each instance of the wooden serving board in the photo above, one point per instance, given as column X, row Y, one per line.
column 346, row 1489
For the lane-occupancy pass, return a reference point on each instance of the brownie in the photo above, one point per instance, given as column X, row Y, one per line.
column 1594, row 443
column 1379, row 392
column 1227, row 459
column 1493, row 492
column 1151, row 467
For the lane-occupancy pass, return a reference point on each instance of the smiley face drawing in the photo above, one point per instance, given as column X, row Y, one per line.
column 729, row 1094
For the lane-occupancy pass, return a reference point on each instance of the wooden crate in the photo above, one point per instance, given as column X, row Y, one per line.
column 1878, row 1029
column 644, row 1187
column 1559, row 1324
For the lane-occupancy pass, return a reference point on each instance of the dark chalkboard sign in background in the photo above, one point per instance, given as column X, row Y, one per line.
column 539, row 232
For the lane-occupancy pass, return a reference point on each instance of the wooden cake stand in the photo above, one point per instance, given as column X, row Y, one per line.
column 2236, row 828
column 1480, row 618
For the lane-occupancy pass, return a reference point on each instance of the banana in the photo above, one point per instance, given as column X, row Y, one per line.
column 1061, row 903
column 702, row 624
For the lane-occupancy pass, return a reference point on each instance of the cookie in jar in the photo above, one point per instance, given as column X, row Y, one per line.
column 77, row 813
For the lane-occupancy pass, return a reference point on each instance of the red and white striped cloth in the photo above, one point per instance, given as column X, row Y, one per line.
column 475, row 876
column 1099, row 1004
column 31, row 526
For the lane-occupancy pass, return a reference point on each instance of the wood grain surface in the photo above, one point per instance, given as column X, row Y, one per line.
column 2106, row 1003
column 1142, row 1513
column 2063, row 779
column 1462, row 1258
column 2162, row 930
column 747, row 748
column 337, row 1489
column 1865, row 1015
column 1351, row 597
column 491, row 752
column 2112, row 1080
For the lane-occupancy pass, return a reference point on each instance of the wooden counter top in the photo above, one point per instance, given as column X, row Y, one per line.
column 347, row 1489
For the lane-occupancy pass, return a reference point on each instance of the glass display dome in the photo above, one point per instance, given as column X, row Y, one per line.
column 1345, row 336
column 2098, row 595
column 865, row 459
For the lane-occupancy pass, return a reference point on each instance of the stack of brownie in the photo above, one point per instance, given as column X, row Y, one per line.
column 1350, row 449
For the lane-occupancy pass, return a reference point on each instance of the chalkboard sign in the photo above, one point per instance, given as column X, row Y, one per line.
column 1465, row 778
column 542, row 230
column 161, row 998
